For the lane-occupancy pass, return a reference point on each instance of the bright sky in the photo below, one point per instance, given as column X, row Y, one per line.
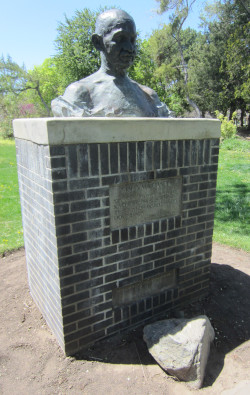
column 28, row 28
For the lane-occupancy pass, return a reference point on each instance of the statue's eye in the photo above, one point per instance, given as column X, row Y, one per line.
column 120, row 38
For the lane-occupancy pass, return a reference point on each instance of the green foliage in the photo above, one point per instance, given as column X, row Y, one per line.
column 228, row 128
column 25, row 93
column 168, row 72
column 181, row 10
column 76, row 56
column 227, row 69
column 50, row 82
column 237, row 62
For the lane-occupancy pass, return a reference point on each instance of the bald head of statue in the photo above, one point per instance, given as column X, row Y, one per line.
column 106, row 21
column 115, row 38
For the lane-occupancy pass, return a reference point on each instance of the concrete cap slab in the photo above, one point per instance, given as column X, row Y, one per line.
column 58, row 131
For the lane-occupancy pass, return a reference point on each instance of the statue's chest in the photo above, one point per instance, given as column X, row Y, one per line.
column 129, row 100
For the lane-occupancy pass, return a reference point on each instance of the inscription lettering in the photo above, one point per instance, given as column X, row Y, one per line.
column 138, row 202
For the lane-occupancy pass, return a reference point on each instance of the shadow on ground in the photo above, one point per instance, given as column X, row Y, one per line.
column 227, row 307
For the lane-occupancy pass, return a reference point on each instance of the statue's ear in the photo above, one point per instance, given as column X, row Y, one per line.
column 97, row 41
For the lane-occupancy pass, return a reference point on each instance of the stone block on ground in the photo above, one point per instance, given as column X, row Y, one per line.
column 181, row 347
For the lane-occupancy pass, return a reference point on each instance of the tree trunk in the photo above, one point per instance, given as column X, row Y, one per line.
column 42, row 100
column 185, row 71
column 242, row 114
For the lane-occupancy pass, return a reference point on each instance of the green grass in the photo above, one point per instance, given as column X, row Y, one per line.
column 11, row 233
column 232, row 216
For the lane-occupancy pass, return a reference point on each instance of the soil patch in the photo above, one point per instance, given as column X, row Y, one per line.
column 32, row 362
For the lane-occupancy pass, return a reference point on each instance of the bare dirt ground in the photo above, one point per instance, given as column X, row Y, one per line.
column 31, row 362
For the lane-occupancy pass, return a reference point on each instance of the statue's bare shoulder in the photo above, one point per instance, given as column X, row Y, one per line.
column 79, row 90
column 163, row 110
column 76, row 100
column 149, row 92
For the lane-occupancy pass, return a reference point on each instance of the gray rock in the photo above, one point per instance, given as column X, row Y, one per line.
column 181, row 347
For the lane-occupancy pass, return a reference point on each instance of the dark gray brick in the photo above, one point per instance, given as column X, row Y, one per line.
column 72, row 161
column 115, row 236
column 83, row 160
column 94, row 160
column 56, row 150
column 140, row 156
column 142, row 176
column 149, row 155
column 94, row 214
column 126, row 264
column 166, row 173
column 70, row 280
column 157, row 155
column 117, row 179
column 58, row 174
column 69, row 218
column 130, row 245
column 132, row 156
column 89, row 265
column 104, row 158
column 187, row 158
column 124, row 234
column 87, row 322
column 76, row 297
column 84, row 285
column 123, row 157
column 72, row 239
column 132, row 232
column 165, row 154
column 68, row 196
column 200, row 152
column 58, row 162
column 116, row 276
column 114, row 157
column 141, row 250
column 141, row 268
column 87, row 246
column 173, row 150
column 180, row 153
column 86, row 225
column 85, row 205
column 59, row 186
column 194, row 152
column 94, row 253
column 84, row 183
column 116, row 257
column 103, row 270
column 207, row 152
column 76, row 258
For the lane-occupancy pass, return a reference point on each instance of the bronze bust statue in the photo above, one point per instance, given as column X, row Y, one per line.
column 110, row 92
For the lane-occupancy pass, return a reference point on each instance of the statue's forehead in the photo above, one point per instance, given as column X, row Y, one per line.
column 109, row 21
column 126, row 25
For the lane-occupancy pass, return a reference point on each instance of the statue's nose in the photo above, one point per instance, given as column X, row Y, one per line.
column 128, row 46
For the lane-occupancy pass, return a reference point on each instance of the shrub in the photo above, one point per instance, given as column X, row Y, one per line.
column 228, row 128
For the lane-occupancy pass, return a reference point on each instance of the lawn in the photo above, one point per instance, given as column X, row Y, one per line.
column 11, row 233
column 232, row 216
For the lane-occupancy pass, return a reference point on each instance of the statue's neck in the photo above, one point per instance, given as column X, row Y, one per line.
column 111, row 69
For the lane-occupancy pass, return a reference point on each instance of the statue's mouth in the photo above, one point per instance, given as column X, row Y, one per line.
column 126, row 57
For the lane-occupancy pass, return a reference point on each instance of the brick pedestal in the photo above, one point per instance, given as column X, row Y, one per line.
column 92, row 270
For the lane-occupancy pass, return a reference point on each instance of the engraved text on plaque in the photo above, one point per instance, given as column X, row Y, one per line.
column 138, row 202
